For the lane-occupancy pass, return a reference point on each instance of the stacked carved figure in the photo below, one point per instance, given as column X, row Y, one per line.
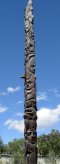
column 30, row 113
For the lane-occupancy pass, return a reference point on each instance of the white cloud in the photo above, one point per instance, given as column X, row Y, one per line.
column 15, row 124
column 42, row 96
column 19, row 102
column 3, row 109
column 55, row 92
column 19, row 114
column 48, row 117
column 12, row 90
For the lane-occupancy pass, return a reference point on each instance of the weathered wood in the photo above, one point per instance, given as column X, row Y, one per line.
column 30, row 113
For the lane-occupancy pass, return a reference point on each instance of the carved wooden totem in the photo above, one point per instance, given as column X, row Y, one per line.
column 30, row 113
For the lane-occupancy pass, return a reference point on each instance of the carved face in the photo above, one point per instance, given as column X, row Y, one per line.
column 31, row 136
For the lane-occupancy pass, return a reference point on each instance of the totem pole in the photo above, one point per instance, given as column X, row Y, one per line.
column 30, row 113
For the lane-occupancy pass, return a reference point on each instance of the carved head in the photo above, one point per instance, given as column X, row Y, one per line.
column 31, row 136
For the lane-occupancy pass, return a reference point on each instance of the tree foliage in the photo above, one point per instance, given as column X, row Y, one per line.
column 49, row 143
column 1, row 146
column 16, row 148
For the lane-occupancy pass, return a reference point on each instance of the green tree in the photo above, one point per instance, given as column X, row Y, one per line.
column 1, row 146
column 49, row 142
column 16, row 148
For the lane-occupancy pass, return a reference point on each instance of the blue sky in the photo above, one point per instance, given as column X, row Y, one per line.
column 47, row 50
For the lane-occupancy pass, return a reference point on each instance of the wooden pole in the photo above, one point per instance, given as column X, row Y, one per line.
column 30, row 108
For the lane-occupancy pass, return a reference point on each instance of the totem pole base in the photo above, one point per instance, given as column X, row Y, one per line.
column 31, row 153
column 31, row 159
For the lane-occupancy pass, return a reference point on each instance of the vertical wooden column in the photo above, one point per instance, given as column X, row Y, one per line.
column 30, row 112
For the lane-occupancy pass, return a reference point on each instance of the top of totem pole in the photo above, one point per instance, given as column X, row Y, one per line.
column 29, row 4
column 30, row 1
column 28, row 15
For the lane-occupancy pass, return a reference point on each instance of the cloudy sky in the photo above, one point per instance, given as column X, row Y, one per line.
column 47, row 50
